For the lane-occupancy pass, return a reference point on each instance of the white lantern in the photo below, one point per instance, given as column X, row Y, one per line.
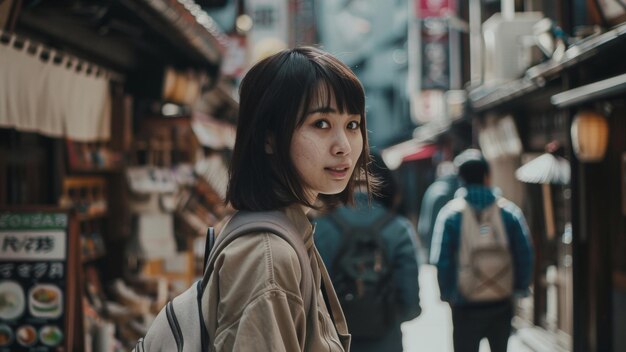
column 590, row 136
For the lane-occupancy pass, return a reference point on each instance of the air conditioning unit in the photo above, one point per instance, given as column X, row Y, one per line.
column 509, row 46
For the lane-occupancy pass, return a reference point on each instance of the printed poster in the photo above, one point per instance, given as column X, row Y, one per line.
column 33, row 281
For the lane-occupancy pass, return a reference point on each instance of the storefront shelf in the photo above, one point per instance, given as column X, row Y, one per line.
column 96, row 170
column 483, row 98
column 88, row 217
column 590, row 92
column 486, row 97
column 578, row 53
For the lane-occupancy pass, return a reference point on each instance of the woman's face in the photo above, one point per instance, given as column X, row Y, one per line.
column 325, row 149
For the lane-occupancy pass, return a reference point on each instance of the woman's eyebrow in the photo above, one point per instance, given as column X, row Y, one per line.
column 323, row 110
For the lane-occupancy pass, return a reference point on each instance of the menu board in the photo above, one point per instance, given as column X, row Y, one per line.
column 34, row 281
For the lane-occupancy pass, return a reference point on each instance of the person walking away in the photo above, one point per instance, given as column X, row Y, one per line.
column 437, row 195
column 484, row 258
column 371, row 255
column 301, row 142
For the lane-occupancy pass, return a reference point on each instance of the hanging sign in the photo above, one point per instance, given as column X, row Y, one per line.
column 34, row 281
column 435, row 53
column 435, row 8
column 270, row 29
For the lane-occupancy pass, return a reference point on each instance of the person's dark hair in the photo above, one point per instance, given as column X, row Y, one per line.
column 274, row 97
column 386, row 186
column 472, row 167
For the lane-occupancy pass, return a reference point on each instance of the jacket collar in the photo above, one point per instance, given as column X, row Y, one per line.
column 296, row 214
column 478, row 197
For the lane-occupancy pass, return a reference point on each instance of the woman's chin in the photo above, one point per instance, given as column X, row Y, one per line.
column 332, row 191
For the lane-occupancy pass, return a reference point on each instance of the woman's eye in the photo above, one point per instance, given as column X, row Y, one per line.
column 322, row 124
column 353, row 125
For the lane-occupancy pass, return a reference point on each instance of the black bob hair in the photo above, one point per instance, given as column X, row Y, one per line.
column 274, row 97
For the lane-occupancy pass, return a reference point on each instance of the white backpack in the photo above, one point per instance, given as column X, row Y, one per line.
column 485, row 260
column 180, row 326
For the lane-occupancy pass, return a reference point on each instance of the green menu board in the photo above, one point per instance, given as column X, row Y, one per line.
column 35, row 264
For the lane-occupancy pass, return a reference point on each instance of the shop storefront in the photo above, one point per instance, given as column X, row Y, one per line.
column 115, row 134
column 567, row 113
column 545, row 102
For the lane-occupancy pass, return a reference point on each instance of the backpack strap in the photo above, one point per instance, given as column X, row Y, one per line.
column 208, row 246
column 276, row 222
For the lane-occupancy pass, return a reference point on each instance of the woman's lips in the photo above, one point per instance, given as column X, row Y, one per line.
column 337, row 172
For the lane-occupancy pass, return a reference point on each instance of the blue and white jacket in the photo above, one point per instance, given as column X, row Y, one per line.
column 447, row 232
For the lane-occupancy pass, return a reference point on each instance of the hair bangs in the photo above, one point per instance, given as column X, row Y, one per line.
column 332, row 83
column 345, row 91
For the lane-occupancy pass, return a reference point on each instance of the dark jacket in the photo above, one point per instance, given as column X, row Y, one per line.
column 399, row 239
column 437, row 195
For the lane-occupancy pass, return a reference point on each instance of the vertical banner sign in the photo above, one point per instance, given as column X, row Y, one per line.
column 302, row 27
column 434, row 66
column 435, row 54
column 435, row 8
column 33, row 281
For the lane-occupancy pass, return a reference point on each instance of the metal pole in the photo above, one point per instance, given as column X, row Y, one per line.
column 476, row 43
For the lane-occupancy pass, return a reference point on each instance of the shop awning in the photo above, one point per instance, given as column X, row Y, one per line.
column 423, row 152
column 410, row 150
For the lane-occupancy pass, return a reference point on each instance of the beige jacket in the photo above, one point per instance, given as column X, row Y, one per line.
column 255, row 303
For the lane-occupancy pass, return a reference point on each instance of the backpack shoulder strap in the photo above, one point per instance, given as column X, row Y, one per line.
column 276, row 222
column 208, row 246
column 502, row 202
column 458, row 204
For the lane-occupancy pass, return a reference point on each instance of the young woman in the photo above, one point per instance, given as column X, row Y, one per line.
column 301, row 144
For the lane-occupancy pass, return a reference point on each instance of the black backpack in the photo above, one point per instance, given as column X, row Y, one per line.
column 363, row 278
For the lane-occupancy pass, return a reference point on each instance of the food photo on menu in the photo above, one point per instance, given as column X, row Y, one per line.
column 12, row 300
column 6, row 335
column 45, row 301
column 26, row 335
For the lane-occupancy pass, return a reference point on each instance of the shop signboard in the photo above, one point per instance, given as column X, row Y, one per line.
column 35, row 294
column 434, row 71
column 269, row 32
column 302, row 27
column 435, row 54
column 435, row 8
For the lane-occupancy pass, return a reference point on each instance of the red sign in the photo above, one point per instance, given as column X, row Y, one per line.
column 435, row 8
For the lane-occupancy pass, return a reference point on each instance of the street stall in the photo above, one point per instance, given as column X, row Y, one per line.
column 566, row 99
column 112, row 119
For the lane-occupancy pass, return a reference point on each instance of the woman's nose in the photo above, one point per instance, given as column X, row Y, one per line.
column 341, row 144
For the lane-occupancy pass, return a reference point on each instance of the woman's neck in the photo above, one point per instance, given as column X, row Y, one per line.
column 304, row 208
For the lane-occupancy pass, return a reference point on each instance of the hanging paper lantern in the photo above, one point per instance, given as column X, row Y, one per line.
column 590, row 136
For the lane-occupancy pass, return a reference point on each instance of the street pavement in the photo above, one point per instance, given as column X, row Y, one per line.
column 432, row 330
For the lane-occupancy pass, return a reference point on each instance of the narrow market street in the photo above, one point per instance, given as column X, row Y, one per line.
column 132, row 133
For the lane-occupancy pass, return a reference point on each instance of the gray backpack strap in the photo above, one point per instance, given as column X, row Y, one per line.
column 276, row 222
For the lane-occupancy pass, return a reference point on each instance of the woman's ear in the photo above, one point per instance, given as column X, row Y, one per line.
column 270, row 143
